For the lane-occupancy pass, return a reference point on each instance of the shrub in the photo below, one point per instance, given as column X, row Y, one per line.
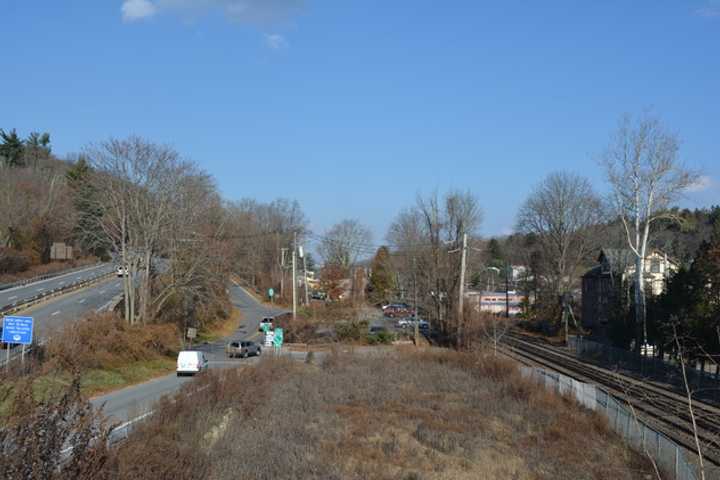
column 12, row 261
column 353, row 331
column 35, row 438
column 381, row 338
column 105, row 341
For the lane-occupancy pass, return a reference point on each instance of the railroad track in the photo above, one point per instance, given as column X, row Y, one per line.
column 664, row 410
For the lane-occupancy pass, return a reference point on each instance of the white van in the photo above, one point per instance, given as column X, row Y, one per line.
column 190, row 362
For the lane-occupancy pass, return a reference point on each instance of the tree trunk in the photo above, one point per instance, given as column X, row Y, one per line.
column 640, row 308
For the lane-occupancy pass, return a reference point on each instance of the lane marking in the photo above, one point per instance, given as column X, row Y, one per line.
column 40, row 289
column 82, row 300
column 13, row 297
column 54, row 313
column 102, row 292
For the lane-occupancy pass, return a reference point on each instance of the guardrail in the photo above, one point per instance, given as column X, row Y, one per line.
column 28, row 302
column 39, row 278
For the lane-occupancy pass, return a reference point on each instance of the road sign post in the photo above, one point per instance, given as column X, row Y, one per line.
column 278, row 339
column 16, row 330
column 191, row 333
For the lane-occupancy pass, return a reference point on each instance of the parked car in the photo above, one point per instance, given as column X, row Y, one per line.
column 404, row 323
column 396, row 311
column 242, row 349
column 266, row 321
column 190, row 362
column 395, row 305
column 316, row 295
column 121, row 271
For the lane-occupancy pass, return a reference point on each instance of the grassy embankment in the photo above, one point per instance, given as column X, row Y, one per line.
column 433, row 414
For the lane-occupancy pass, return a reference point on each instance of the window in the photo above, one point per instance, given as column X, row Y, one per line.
column 655, row 265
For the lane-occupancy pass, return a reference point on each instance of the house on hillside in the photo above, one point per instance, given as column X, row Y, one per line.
column 603, row 284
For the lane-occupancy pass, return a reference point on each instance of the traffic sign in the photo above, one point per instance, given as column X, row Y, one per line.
column 269, row 338
column 271, row 292
column 17, row 330
column 278, row 338
column 265, row 327
column 191, row 332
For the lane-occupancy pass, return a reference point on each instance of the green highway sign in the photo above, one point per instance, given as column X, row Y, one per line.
column 278, row 340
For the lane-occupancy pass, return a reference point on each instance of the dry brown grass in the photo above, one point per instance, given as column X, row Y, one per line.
column 430, row 415
column 106, row 341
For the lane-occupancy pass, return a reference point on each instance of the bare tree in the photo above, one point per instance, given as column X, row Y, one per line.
column 494, row 328
column 562, row 212
column 344, row 243
column 646, row 177
column 422, row 236
column 140, row 182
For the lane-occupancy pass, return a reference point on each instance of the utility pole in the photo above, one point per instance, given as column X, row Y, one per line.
column 461, row 311
column 282, row 271
column 294, row 277
column 416, row 320
column 507, row 294
column 463, row 261
column 305, row 278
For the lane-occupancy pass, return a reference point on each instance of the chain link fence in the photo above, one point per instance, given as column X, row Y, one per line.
column 705, row 384
column 671, row 459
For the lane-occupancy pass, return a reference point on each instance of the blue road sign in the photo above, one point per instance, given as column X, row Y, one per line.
column 17, row 330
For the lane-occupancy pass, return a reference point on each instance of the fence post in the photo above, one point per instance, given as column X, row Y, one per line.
column 628, row 436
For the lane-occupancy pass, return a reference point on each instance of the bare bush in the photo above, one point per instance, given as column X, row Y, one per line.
column 53, row 438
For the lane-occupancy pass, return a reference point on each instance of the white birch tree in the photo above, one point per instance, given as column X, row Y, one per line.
column 646, row 177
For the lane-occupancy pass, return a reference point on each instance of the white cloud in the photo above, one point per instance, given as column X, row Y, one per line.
column 703, row 183
column 133, row 10
column 275, row 41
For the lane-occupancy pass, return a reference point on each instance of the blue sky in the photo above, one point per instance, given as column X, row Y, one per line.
column 355, row 107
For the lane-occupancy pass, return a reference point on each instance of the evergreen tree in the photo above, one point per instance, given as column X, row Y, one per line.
column 382, row 278
column 496, row 256
column 11, row 149
column 88, row 231
column 37, row 147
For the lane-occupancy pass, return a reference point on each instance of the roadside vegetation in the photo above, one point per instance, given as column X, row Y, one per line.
column 103, row 353
column 433, row 414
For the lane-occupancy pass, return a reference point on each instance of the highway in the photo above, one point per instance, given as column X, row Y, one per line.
column 132, row 402
column 59, row 311
column 23, row 293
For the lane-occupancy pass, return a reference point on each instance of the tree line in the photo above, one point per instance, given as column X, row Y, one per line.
column 559, row 231
column 150, row 210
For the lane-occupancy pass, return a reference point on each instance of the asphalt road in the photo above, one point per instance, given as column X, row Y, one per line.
column 25, row 292
column 132, row 402
column 59, row 311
